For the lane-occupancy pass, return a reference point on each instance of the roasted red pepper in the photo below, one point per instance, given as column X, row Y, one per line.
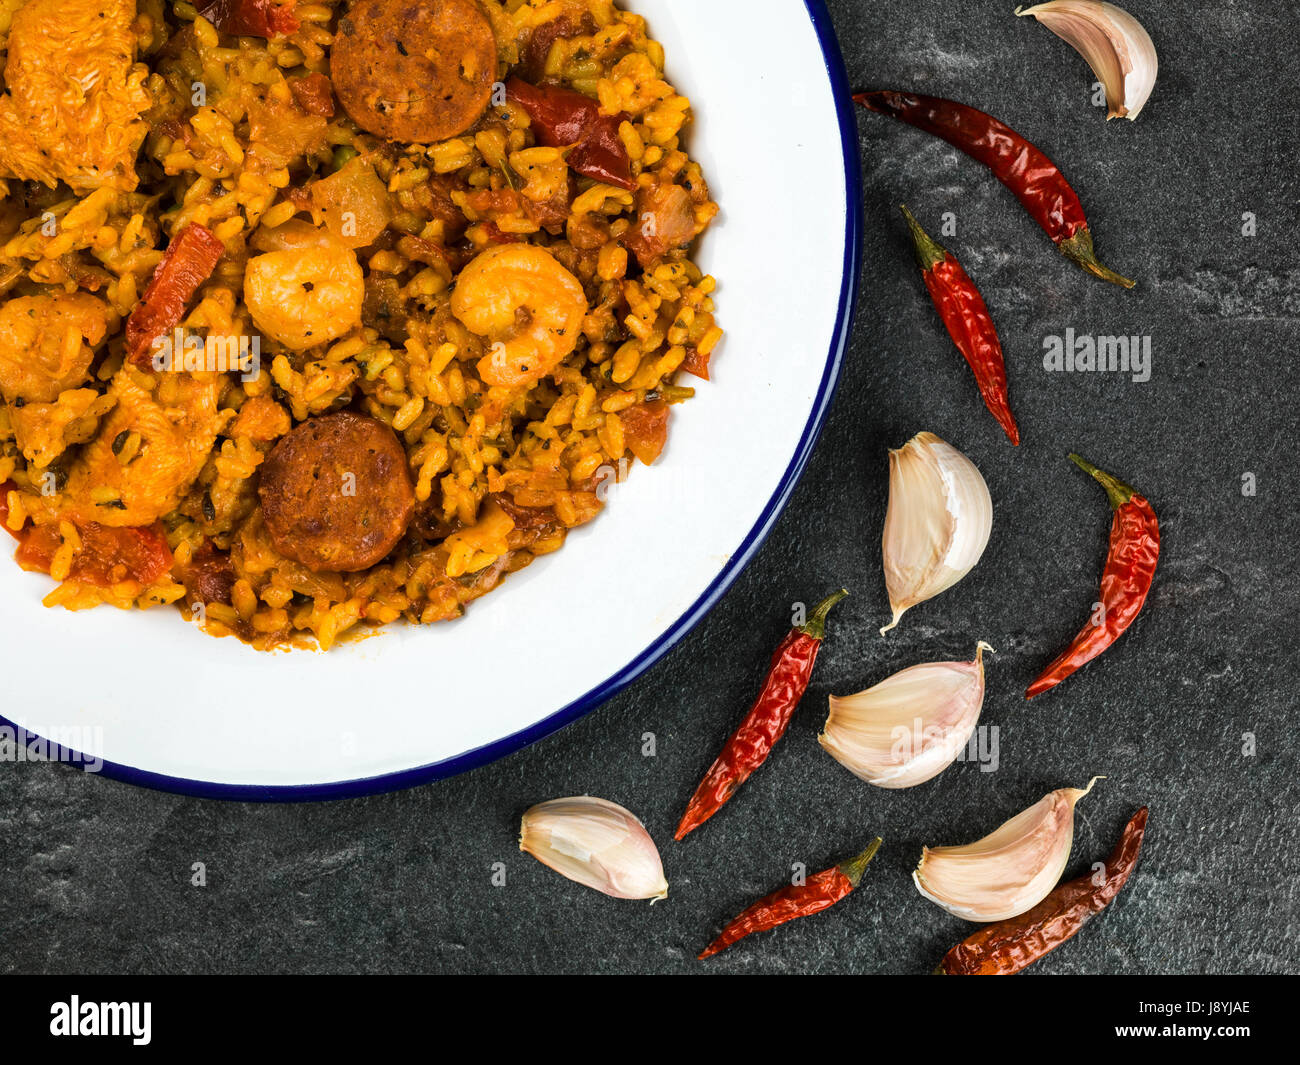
column 787, row 680
column 108, row 555
column 188, row 261
column 815, row 894
column 1037, row 182
column 5, row 488
column 562, row 117
column 1130, row 568
column 1006, row 947
column 967, row 319
column 251, row 18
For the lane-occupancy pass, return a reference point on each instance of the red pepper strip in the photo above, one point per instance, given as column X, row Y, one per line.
column 812, row 896
column 1018, row 164
column 1006, row 947
column 5, row 488
column 561, row 117
column 749, row 746
column 188, row 261
column 1130, row 568
column 108, row 555
column 967, row 319
column 251, row 18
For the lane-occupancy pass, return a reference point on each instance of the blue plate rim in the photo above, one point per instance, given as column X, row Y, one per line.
column 583, row 705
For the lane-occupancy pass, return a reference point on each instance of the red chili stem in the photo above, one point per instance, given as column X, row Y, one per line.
column 1125, row 581
column 1006, row 947
column 787, row 679
column 817, row 893
column 967, row 319
column 1022, row 167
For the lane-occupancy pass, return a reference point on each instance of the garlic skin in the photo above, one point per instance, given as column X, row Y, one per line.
column 911, row 726
column 596, row 843
column 1009, row 871
column 938, row 522
column 1112, row 42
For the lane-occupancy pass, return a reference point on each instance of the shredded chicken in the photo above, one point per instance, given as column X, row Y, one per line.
column 75, row 95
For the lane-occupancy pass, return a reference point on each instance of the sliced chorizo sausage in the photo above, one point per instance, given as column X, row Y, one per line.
column 336, row 493
column 414, row 70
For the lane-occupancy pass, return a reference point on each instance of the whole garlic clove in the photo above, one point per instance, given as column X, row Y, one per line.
column 1010, row 870
column 938, row 522
column 1112, row 42
column 911, row 726
column 596, row 843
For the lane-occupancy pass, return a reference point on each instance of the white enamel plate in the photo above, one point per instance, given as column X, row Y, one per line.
column 173, row 708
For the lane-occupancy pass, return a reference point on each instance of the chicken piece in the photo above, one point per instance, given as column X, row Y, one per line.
column 177, row 424
column 47, row 343
column 45, row 431
column 75, row 95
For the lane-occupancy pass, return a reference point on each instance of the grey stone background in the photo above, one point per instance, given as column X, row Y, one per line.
column 94, row 875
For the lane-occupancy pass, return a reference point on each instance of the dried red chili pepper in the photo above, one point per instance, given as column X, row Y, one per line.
column 787, row 680
column 562, row 117
column 1023, row 168
column 251, row 18
column 967, row 319
column 188, row 261
column 1006, row 947
column 815, row 894
column 1130, row 568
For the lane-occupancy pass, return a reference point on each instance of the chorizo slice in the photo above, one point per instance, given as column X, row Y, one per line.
column 414, row 70
column 336, row 493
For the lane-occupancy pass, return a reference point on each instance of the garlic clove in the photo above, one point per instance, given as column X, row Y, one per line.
column 1010, row 870
column 938, row 522
column 911, row 726
column 1112, row 42
column 596, row 843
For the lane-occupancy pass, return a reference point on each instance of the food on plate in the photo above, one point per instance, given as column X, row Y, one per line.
column 320, row 316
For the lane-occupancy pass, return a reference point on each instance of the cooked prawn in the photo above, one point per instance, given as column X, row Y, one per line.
column 307, row 296
column 527, row 305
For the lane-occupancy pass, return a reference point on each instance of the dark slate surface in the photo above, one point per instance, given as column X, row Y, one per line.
column 95, row 875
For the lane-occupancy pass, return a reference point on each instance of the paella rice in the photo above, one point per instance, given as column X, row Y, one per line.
column 318, row 316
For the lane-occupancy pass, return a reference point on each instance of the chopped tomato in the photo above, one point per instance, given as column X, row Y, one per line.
column 665, row 219
column 313, row 94
column 645, row 429
column 188, row 262
column 5, row 489
column 251, row 18
column 695, row 363
column 562, row 117
column 108, row 555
